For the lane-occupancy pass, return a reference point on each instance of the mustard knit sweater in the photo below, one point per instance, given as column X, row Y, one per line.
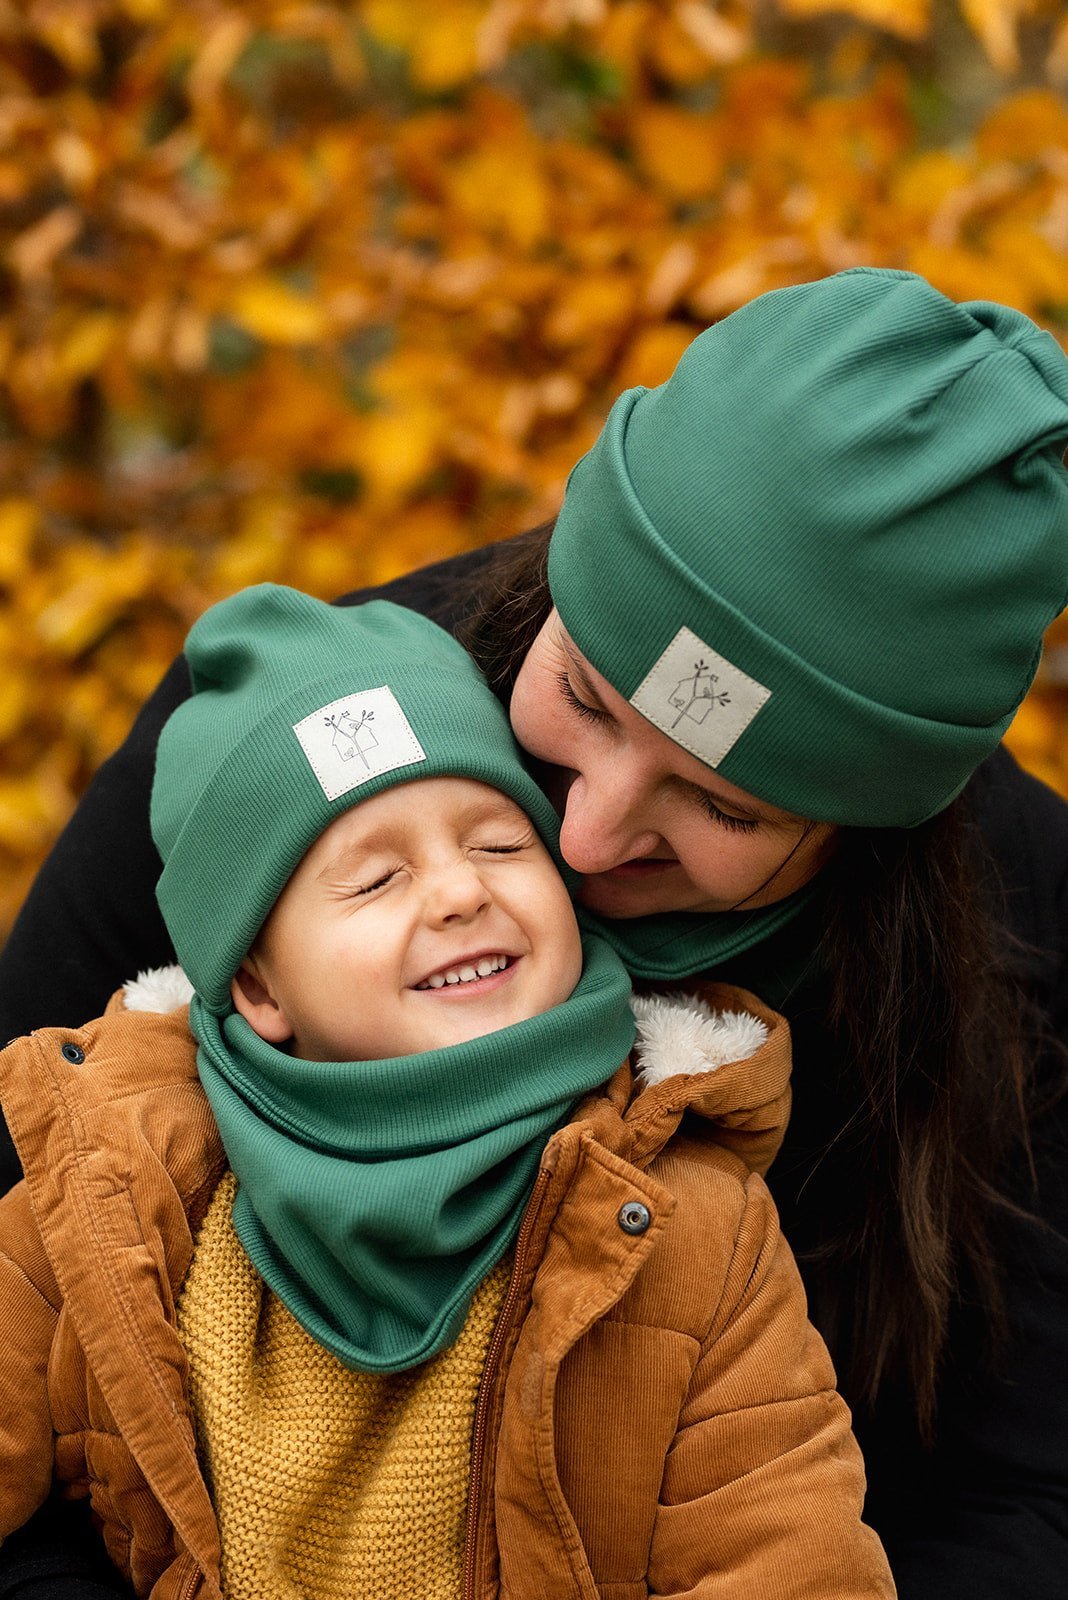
column 328, row 1484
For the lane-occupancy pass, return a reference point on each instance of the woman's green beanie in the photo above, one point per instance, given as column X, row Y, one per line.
column 822, row 556
column 299, row 711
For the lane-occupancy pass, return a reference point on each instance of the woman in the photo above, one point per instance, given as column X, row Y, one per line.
column 793, row 599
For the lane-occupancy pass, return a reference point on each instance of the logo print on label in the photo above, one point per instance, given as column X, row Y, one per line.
column 698, row 698
column 357, row 737
column 694, row 697
column 355, row 740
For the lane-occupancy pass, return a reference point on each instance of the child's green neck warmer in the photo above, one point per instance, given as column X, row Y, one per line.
column 374, row 1196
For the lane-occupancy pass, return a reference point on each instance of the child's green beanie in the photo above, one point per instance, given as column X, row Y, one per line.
column 821, row 557
column 299, row 711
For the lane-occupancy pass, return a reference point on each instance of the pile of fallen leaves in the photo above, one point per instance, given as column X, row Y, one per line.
column 314, row 292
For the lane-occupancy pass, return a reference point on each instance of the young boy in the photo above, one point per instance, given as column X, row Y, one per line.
column 376, row 1273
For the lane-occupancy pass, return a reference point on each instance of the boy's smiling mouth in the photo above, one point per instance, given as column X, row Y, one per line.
column 480, row 971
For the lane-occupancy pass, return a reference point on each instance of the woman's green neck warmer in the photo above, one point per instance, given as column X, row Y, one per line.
column 374, row 1196
column 681, row 944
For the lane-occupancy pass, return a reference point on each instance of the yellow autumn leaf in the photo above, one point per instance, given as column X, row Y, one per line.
column 19, row 521
column 34, row 251
column 223, row 41
column 276, row 313
column 419, row 535
column 75, row 158
column 679, row 150
column 654, row 354
column 256, row 552
column 504, row 189
column 909, row 19
column 70, row 32
column 1039, row 269
column 595, row 303
column 85, row 346
column 442, row 41
column 1032, row 734
column 995, row 24
column 622, row 33
column 926, row 182
column 145, row 10
column 396, row 448
column 685, row 42
column 1057, row 60
column 964, row 273
column 1031, row 126
column 34, row 806
column 94, row 599
column 16, row 703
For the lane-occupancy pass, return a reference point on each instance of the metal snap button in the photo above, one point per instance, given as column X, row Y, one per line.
column 634, row 1217
column 73, row 1053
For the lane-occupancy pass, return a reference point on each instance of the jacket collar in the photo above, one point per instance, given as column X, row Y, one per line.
column 743, row 1101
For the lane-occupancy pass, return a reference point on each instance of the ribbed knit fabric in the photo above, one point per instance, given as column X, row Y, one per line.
column 300, row 711
column 822, row 555
column 328, row 1484
column 374, row 1196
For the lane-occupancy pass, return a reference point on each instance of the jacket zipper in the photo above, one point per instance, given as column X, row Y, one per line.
column 493, row 1356
column 192, row 1583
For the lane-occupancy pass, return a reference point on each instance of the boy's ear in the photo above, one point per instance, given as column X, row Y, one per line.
column 253, row 1001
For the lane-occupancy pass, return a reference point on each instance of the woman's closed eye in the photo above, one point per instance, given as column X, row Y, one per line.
column 723, row 818
column 596, row 714
column 587, row 712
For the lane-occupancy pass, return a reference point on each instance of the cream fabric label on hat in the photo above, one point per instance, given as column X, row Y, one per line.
column 698, row 698
column 356, row 738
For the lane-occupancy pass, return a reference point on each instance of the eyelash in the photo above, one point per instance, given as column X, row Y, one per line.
column 724, row 818
column 487, row 849
column 590, row 713
column 368, row 888
column 707, row 804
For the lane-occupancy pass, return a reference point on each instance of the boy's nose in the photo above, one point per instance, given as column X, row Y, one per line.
column 456, row 894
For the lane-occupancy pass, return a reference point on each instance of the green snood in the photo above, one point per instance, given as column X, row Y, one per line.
column 374, row 1196
column 681, row 944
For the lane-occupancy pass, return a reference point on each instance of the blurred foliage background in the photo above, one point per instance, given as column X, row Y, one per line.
column 317, row 292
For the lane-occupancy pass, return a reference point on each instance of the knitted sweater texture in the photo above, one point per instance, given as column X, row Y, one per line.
column 328, row 1484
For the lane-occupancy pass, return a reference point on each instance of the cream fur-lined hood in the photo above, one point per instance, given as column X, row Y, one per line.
column 720, row 1056
column 676, row 1033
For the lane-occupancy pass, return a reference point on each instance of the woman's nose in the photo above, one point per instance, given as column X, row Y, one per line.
column 604, row 824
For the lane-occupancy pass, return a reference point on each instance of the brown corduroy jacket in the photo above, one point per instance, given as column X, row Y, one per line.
column 656, row 1416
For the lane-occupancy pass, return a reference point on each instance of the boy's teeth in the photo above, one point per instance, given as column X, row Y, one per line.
column 467, row 973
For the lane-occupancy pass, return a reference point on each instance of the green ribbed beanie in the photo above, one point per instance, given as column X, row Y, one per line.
column 299, row 711
column 821, row 557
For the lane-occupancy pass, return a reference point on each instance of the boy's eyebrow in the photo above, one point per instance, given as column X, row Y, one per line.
column 355, row 850
column 390, row 836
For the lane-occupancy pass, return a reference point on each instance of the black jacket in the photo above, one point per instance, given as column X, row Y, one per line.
column 984, row 1515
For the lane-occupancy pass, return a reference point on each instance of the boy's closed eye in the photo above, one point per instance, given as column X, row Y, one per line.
column 377, row 882
column 506, row 847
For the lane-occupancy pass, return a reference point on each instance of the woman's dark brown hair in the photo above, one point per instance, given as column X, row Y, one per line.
column 934, row 1081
